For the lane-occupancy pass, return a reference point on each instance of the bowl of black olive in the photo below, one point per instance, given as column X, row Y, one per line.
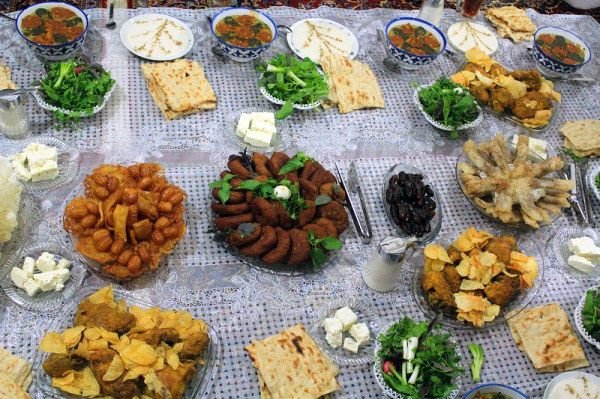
column 412, row 203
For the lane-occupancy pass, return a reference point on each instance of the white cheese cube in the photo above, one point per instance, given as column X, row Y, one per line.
column 264, row 126
column 46, row 262
column 243, row 125
column 332, row 325
column 18, row 277
column 46, row 280
column 580, row 263
column 38, row 154
column 360, row 332
column 29, row 266
column 351, row 345
column 536, row 146
column 347, row 317
column 31, row 287
column 61, row 276
column 258, row 138
column 45, row 171
column 59, row 287
column 334, row 340
column 21, row 170
column 63, row 264
column 268, row 117
column 585, row 246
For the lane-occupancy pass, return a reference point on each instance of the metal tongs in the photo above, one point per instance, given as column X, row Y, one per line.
column 583, row 208
column 352, row 185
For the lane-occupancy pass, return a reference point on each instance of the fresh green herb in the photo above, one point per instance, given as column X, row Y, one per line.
column 320, row 245
column 224, row 187
column 295, row 163
column 478, row 358
column 597, row 181
column 322, row 199
column 293, row 81
column 71, row 85
column 590, row 313
column 429, row 370
column 449, row 103
column 574, row 157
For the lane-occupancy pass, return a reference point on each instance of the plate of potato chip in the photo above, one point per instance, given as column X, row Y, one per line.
column 478, row 279
column 108, row 343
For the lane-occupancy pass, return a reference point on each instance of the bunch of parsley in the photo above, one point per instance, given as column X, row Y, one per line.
column 293, row 81
column 591, row 313
column 449, row 103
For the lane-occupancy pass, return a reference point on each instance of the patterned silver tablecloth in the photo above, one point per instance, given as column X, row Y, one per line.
column 243, row 303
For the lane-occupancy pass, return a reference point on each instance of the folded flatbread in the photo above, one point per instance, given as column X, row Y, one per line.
column 352, row 84
column 9, row 389
column 582, row 136
column 545, row 335
column 179, row 87
column 290, row 365
column 15, row 368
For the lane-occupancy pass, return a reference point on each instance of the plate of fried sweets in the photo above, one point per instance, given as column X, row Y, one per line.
column 126, row 219
column 108, row 343
column 281, row 213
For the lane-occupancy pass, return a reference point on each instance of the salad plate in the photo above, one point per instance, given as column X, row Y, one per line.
column 578, row 316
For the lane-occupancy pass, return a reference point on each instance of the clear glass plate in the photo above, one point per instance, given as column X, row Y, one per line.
column 389, row 392
column 525, row 244
column 436, row 222
column 279, row 142
column 578, row 316
column 43, row 300
column 68, row 163
column 199, row 385
column 560, row 251
column 365, row 314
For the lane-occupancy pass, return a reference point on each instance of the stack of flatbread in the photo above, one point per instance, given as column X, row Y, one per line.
column 179, row 87
column 582, row 137
column 15, row 376
column 545, row 335
column 352, row 84
column 511, row 22
column 291, row 366
column 5, row 78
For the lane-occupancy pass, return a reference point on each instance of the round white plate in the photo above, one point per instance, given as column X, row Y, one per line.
column 128, row 25
column 348, row 32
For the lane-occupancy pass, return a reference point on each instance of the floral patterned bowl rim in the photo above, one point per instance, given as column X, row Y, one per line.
column 259, row 15
column 428, row 26
column 278, row 101
column 571, row 36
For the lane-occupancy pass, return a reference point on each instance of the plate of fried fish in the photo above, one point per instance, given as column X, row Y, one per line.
column 108, row 343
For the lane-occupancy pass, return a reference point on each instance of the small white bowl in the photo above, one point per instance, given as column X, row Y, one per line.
column 568, row 375
column 507, row 391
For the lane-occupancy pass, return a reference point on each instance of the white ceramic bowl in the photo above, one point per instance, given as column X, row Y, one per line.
column 566, row 376
column 552, row 64
column 58, row 51
column 242, row 54
column 408, row 60
column 507, row 391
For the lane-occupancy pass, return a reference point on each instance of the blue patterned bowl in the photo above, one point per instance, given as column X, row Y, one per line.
column 505, row 390
column 408, row 60
column 242, row 54
column 552, row 64
column 59, row 51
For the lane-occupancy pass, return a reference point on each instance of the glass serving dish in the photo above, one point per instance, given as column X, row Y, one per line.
column 462, row 158
column 68, row 163
column 525, row 244
column 436, row 222
column 560, row 251
column 199, row 385
column 50, row 299
column 279, row 142
column 389, row 392
column 578, row 316
column 365, row 314
column 592, row 175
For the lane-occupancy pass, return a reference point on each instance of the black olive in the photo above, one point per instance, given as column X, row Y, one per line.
column 389, row 195
column 394, row 181
column 427, row 227
column 428, row 191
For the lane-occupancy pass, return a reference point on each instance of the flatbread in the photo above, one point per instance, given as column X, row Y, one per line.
column 9, row 389
column 15, row 368
column 582, row 136
column 545, row 335
column 290, row 365
column 179, row 87
column 352, row 84
column 511, row 22
column 6, row 78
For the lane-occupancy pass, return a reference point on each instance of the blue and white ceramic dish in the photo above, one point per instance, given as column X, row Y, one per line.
column 59, row 51
column 242, row 54
column 406, row 59
column 507, row 391
column 551, row 64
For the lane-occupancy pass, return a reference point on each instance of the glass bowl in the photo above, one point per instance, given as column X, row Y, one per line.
column 365, row 315
column 578, row 316
column 525, row 244
column 462, row 158
column 436, row 222
column 593, row 172
column 561, row 252
column 199, row 385
column 50, row 299
column 279, row 142
column 389, row 392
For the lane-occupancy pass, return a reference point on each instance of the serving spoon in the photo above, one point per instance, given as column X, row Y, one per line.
column 220, row 54
column 111, row 24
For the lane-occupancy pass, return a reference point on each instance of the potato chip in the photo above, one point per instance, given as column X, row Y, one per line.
column 487, row 259
column 123, row 342
column 138, row 353
column 516, row 88
column 72, row 336
column 541, row 118
column 476, row 56
column 136, row 372
column 172, row 355
column 82, row 349
column 53, row 343
column 463, row 243
column 115, row 369
column 109, row 336
column 155, row 385
column 547, row 87
column 471, row 285
column 92, row 333
column 467, row 302
column 526, row 265
column 99, row 343
column 103, row 295
column 435, row 251
column 464, row 267
column 80, row 383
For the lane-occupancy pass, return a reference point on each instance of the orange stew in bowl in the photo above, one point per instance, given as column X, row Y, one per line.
column 244, row 31
column 52, row 25
column 560, row 48
column 414, row 39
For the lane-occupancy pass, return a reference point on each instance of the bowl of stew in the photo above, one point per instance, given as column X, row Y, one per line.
column 243, row 34
column 53, row 30
column 494, row 391
column 559, row 50
column 414, row 42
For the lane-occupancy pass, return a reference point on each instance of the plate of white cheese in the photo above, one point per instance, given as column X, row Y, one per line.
column 257, row 130
column 577, row 250
column 345, row 329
